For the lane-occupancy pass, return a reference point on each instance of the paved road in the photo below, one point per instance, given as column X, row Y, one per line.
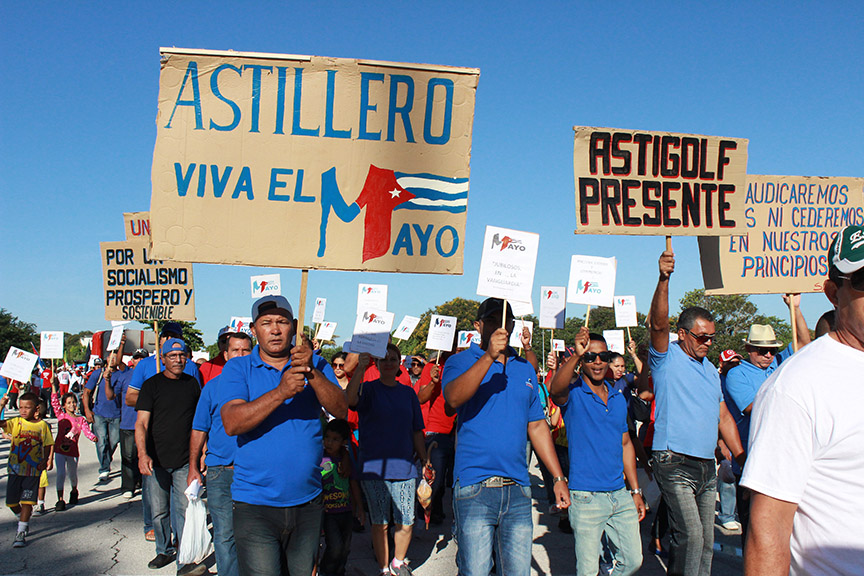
column 103, row 534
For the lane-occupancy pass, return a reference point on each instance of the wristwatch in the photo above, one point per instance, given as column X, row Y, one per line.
column 636, row 491
column 559, row 479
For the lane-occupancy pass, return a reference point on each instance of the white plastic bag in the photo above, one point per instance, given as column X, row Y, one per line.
column 195, row 544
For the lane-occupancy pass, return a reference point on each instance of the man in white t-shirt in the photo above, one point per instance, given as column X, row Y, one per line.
column 806, row 461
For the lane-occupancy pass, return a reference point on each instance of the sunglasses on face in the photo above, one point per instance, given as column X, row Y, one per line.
column 765, row 351
column 340, row 365
column 856, row 280
column 590, row 357
column 701, row 338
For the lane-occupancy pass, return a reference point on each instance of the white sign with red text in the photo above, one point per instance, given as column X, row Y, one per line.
column 553, row 302
column 507, row 264
column 372, row 332
column 592, row 281
column 625, row 311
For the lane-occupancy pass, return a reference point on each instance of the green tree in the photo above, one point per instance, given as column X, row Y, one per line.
column 733, row 315
column 75, row 352
column 15, row 332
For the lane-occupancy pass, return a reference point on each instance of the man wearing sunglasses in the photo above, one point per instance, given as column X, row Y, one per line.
column 689, row 411
column 601, row 458
column 764, row 356
column 805, row 470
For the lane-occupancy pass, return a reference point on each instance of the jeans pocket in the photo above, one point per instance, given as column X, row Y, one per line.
column 466, row 492
column 667, row 458
column 579, row 497
column 526, row 491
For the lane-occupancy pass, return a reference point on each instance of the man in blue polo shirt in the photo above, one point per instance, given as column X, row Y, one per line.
column 744, row 381
column 494, row 392
column 271, row 401
column 105, row 418
column 601, row 457
column 207, row 429
column 689, row 410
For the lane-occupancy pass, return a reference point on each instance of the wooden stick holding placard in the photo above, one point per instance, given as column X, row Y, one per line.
column 587, row 316
column 629, row 338
column 668, row 243
column 794, row 322
column 158, row 351
column 301, row 308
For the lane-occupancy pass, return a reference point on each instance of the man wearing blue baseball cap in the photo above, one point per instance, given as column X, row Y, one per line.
column 271, row 401
column 166, row 408
column 805, row 468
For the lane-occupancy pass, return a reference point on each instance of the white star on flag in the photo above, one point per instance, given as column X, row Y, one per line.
column 394, row 193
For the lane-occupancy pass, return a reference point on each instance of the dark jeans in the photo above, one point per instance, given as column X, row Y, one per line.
column 107, row 432
column 221, row 507
column 273, row 540
column 45, row 394
column 130, row 476
column 441, row 459
column 337, row 541
column 742, row 500
column 689, row 486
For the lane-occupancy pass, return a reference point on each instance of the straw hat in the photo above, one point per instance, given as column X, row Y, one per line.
column 762, row 335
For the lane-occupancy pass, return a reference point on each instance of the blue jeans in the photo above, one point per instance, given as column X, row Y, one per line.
column 592, row 513
column 107, row 432
column 160, row 485
column 726, row 491
column 689, row 486
column 441, row 459
column 221, row 507
column 273, row 540
column 488, row 518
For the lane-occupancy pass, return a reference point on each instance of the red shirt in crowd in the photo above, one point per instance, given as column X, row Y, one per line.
column 212, row 368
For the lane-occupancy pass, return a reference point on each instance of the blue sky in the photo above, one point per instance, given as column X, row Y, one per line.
column 79, row 95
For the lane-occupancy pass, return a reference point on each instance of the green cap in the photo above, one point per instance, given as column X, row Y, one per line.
column 847, row 250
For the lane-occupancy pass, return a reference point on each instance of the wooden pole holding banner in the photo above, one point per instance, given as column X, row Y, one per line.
column 668, row 243
column 301, row 308
column 587, row 316
column 794, row 323
column 158, row 351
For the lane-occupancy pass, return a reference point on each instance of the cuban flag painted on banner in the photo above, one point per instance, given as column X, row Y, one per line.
column 433, row 192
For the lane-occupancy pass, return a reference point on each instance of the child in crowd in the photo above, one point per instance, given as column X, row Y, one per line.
column 41, row 411
column 341, row 496
column 69, row 429
column 28, row 456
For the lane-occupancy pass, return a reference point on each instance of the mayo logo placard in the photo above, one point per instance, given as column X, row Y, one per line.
column 592, row 280
column 51, row 345
column 791, row 221
column 507, row 243
column 658, row 183
column 266, row 285
column 507, row 264
column 354, row 164
column 139, row 287
column 552, row 306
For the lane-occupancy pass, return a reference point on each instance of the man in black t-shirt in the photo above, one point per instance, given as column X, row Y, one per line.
column 166, row 408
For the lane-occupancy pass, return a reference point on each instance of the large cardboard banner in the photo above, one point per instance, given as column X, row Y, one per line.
column 331, row 163
column 137, row 287
column 791, row 221
column 51, row 345
column 658, row 183
column 137, row 225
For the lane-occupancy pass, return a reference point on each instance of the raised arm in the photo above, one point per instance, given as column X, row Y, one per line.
column 463, row 387
column 801, row 329
column 659, row 315
column 530, row 355
column 559, row 389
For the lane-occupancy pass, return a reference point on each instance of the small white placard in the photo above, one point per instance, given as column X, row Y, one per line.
column 200, row 355
column 266, row 285
column 51, row 345
column 325, row 331
column 507, row 264
column 614, row 340
column 558, row 345
column 18, row 365
column 406, row 327
column 371, row 297
column 241, row 324
column 516, row 335
column 625, row 311
column 372, row 332
column 116, row 336
column 521, row 308
column 442, row 329
column 318, row 313
column 553, row 303
column 468, row 337
column 592, row 281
